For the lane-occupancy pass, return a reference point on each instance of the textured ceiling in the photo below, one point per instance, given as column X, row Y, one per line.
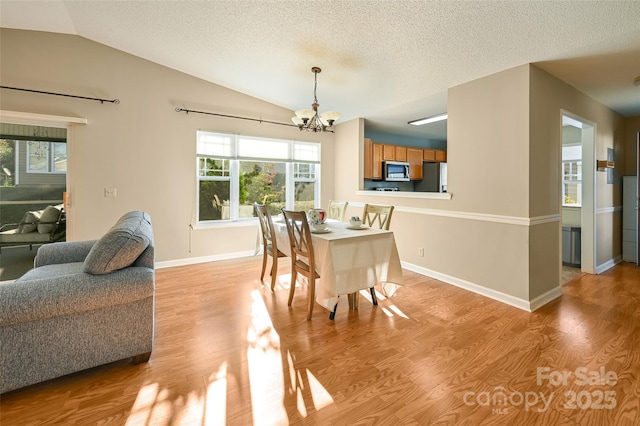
column 386, row 61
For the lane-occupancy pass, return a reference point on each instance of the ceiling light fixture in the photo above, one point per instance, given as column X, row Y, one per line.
column 307, row 119
column 428, row 120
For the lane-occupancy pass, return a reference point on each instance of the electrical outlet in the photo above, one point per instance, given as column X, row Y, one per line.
column 110, row 192
column 421, row 251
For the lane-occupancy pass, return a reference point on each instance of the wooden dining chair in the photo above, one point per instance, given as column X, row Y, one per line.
column 270, row 246
column 377, row 215
column 302, row 260
column 337, row 209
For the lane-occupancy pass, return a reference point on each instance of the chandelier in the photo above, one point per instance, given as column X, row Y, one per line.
column 307, row 119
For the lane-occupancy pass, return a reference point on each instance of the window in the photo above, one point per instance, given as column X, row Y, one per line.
column 235, row 171
column 46, row 157
column 572, row 175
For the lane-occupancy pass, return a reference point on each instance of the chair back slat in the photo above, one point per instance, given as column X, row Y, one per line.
column 337, row 209
column 266, row 224
column 299, row 234
column 380, row 216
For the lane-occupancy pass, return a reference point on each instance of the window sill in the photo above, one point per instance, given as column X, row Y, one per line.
column 406, row 194
column 246, row 223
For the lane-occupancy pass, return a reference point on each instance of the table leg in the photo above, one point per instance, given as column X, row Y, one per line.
column 332, row 314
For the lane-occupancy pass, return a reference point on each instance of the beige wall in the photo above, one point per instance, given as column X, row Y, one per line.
column 549, row 97
column 142, row 146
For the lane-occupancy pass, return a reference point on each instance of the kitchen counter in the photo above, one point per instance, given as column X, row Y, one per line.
column 406, row 194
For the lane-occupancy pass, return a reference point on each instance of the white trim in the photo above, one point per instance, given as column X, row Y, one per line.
column 17, row 117
column 545, row 298
column 203, row 259
column 6, row 203
column 509, row 220
column 605, row 210
column 608, row 264
column 475, row 288
column 213, row 224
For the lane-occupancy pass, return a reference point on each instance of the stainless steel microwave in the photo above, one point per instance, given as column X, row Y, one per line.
column 395, row 171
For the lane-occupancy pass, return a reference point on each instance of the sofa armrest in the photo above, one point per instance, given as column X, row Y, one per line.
column 42, row 296
column 63, row 252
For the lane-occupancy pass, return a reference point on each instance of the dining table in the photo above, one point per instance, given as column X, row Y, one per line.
column 349, row 259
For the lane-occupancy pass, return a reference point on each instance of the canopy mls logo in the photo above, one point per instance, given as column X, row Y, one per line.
column 595, row 399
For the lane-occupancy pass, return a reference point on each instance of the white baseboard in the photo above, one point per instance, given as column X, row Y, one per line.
column 204, row 259
column 545, row 298
column 516, row 302
column 608, row 264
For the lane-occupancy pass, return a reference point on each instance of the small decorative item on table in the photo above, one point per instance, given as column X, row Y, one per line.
column 355, row 222
column 316, row 216
column 317, row 220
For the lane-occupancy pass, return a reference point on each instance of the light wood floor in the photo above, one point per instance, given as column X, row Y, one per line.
column 229, row 352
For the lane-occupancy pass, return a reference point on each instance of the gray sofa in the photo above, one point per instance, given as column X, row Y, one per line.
column 36, row 227
column 84, row 304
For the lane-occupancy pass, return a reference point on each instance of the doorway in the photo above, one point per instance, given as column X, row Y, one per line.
column 577, row 189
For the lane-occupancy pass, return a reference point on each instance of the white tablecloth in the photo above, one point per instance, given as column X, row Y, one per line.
column 350, row 260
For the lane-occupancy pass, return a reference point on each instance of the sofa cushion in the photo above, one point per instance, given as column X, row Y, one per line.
column 48, row 219
column 121, row 245
column 29, row 222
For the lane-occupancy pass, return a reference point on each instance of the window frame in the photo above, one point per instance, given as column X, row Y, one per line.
column 578, row 182
column 230, row 147
column 49, row 157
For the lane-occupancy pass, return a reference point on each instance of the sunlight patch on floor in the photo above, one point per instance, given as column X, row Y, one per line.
column 265, row 367
column 321, row 397
column 216, row 399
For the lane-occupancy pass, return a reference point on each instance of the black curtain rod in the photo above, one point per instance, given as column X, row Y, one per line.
column 113, row 101
column 187, row 111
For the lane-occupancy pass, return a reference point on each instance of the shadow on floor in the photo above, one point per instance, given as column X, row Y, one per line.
column 16, row 261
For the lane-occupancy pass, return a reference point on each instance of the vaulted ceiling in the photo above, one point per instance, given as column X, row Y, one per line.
column 386, row 61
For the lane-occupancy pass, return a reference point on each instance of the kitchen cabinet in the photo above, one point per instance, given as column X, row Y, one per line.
column 434, row 155
column 372, row 159
column 429, row 155
column 415, row 158
column 376, row 172
column 368, row 158
column 388, row 152
column 376, row 153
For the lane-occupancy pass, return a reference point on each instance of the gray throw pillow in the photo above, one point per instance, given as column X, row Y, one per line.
column 48, row 219
column 29, row 222
column 119, row 247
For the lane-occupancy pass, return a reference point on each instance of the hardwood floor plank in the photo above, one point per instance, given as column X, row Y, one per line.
column 228, row 351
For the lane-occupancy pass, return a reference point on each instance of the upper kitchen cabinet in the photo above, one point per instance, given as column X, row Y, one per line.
column 401, row 153
column 372, row 159
column 434, row 155
column 414, row 157
column 388, row 153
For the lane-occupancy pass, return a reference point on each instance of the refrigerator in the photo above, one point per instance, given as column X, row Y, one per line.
column 434, row 178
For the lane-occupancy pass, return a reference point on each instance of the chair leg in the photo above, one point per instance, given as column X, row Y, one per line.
column 274, row 272
column 292, row 287
column 373, row 296
column 353, row 300
column 312, row 294
column 264, row 264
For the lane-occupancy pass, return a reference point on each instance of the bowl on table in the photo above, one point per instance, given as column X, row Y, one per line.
column 355, row 222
